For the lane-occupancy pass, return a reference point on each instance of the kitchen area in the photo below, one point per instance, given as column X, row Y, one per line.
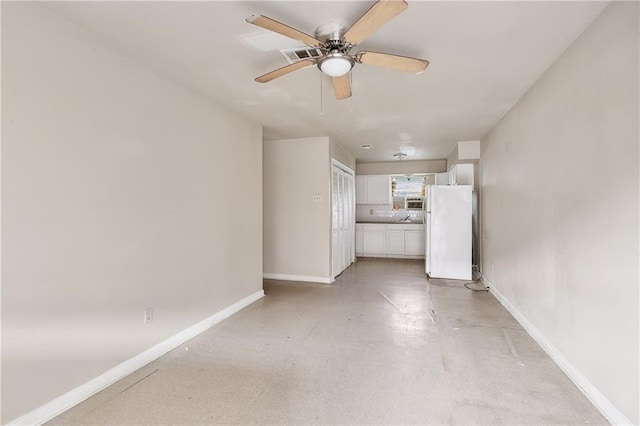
column 418, row 216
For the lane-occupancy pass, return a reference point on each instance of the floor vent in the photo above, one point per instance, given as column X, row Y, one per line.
column 299, row 53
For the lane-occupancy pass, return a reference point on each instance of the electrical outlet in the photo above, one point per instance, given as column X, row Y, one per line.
column 148, row 315
column 370, row 211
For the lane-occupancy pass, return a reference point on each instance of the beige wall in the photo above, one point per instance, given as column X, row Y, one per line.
column 453, row 157
column 401, row 167
column 120, row 192
column 468, row 150
column 342, row 155
column 297, row 229
column 560, row 205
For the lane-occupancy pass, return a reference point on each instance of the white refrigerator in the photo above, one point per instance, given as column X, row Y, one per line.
column 448, row 221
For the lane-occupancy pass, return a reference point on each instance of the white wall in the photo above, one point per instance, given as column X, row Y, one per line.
column 560, row 206
column 120, row 191
column 297, row 229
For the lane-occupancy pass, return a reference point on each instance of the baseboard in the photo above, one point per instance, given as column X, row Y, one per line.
column 393, row 256
column 68, row 400
column 596, row 397
column 303, row 278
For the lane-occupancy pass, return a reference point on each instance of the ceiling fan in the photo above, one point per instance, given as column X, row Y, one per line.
column 335, row 42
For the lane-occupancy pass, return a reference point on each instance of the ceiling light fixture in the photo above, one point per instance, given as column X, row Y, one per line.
column 399, row 155
column 336, row 64
column 367, row 146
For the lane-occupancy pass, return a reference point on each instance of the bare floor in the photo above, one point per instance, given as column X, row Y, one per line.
column 382, row 345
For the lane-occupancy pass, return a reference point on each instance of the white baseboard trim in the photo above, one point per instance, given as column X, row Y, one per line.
column 75, row 396
column 596, row 397
column 303, row 278
column 393, row 256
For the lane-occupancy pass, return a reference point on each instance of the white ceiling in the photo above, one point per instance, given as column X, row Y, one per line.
column 484, row 56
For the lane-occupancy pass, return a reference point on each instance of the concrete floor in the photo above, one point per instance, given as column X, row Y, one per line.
column 380, row 345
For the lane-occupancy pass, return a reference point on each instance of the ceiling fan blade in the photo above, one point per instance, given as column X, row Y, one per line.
column 379, row 14
column 396, row 62
column 342, row 87
column 285, row 70
column 280, row 28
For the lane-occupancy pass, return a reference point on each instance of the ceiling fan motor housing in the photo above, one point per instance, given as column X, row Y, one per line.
column 332, row 33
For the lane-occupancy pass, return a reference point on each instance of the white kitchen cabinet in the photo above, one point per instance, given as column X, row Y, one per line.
column 374, row 240
column 461, row 174
column 358, row 240
column 414, row 242
column 361, row 189
column 442, row 178
column 395, row 241
column 379, row 189
column 400, row 240
column 373, row 189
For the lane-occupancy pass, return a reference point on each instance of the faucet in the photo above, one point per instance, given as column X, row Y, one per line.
column 407, row 219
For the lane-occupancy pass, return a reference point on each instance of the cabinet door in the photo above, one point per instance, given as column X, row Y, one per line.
column 395, row 242
column 442, row 178
column 378, row 189
column 374, row 242
column 452, row 176
column 358, row 242
column 464, row 174
column 361, row 189
column 414, row 242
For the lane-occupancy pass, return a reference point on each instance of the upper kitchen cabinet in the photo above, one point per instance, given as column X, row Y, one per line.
column 442, row 178
column 361, row 189
column 373, row 189
column 461, row 174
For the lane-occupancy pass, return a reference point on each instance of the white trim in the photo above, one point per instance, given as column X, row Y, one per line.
column 394, row 256
column 596, row 397
column 303, row 278
column 75, row 396
column 342, row 166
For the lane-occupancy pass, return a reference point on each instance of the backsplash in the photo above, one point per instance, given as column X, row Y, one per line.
column 384, row 213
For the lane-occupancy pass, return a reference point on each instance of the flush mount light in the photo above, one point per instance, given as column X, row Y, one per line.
column 367, row 146
column 399, row 155
column 336, row 64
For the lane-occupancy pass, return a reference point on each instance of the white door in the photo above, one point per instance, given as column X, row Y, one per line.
column 343, row 219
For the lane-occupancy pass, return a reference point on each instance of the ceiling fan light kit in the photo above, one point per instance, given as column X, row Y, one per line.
column 336, row 64
column 399, row 156
column 335, row 44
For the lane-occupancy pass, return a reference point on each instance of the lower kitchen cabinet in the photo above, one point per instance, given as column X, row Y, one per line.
column 395, row 241
column 374, row 240
column 414, row 242
column 390, row 240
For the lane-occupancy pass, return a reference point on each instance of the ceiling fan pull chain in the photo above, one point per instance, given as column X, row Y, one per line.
column 351, row 85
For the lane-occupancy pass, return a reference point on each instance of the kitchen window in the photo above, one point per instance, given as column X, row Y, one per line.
column 408, row 186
